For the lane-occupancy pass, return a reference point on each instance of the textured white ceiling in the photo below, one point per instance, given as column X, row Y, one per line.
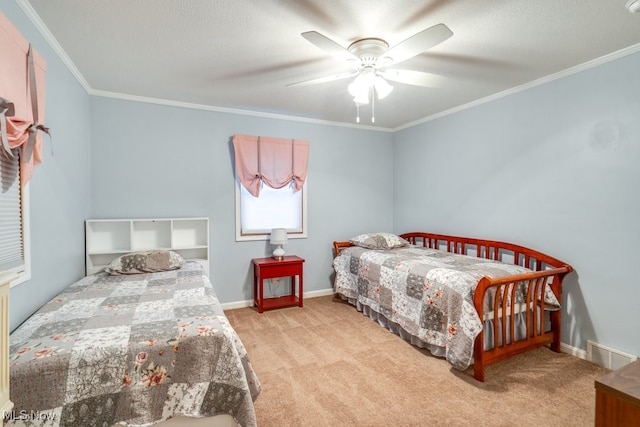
column 240, row 54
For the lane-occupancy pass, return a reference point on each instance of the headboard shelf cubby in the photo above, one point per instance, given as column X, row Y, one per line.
column 106, row 239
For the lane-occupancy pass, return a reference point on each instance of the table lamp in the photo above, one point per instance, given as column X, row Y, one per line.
column 279, row 238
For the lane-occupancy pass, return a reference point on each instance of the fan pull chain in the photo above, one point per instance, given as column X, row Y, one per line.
column 373, row 108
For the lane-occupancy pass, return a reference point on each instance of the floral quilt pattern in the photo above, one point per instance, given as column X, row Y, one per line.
column 134, row 350
column 426, row 292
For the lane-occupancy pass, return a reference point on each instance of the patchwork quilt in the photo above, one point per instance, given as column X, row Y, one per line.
column 428, row 293
column 134, row 350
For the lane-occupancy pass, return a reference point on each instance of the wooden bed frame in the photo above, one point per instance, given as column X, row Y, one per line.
column 546, row 270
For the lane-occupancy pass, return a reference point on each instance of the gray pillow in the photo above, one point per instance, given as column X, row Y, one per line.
column 378, row 241
column 145, row 262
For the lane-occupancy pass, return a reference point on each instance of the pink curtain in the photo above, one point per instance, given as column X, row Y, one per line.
column 15, row 88
column 274, row 161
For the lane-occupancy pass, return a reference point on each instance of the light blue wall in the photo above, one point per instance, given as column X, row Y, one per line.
column 154, row 161
column 60, row 187
column 555, row 168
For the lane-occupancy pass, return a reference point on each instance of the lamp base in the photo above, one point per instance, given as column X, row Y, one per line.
column 278, row 253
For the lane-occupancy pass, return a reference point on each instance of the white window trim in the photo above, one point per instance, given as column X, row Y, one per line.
column 265, row 236
column 24, row 271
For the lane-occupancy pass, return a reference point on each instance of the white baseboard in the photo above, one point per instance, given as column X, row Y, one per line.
column 249, row 303
column 320, row 293
column 237, row 304
column 574, row 351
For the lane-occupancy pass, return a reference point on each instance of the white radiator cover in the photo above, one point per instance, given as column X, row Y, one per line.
column 5, row 403
column 608, row 357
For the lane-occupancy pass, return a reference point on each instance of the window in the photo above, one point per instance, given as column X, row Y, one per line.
column 271, row 188
column 275, row 208
column 14, row 219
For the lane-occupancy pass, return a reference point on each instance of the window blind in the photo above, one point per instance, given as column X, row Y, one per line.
column 275, row 208
column 11, row 242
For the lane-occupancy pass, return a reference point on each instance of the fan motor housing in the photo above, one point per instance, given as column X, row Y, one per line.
column 368, row 50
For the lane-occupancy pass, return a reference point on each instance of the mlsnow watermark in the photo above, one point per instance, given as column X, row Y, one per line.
column 25, row 415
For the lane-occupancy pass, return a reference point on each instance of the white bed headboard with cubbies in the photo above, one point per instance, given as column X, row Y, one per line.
column 107, row 239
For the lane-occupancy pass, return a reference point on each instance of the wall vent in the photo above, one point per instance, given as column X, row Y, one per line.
column 608, row 357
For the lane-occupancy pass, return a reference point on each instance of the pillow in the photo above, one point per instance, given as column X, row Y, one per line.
column 378, row 241
column 145, row 262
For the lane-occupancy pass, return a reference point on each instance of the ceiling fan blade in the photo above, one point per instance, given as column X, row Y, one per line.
column 416, row 44
column 324, row 79
column 330, row 46
column 410, row 77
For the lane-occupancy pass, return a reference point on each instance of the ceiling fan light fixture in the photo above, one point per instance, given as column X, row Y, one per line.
column 361, row 99
column 359, row 88
column 370, row 57
column 383, row 88
column 633, row 6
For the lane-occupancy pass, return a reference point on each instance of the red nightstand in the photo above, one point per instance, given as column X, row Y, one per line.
column 268, row 268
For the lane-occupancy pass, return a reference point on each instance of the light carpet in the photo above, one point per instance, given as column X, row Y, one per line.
column 328, row 365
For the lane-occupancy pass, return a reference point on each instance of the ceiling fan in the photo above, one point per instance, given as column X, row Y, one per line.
column 370, row 59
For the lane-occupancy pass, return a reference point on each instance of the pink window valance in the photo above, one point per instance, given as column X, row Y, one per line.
column 22, row 98
column 275, row 161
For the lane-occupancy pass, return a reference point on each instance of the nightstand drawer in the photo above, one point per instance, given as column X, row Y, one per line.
column 279, row 271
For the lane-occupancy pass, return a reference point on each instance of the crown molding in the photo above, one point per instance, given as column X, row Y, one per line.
column 42, row 28
column 539, row 82
column 170, row 103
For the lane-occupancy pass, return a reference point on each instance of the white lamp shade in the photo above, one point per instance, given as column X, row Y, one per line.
column 383, row 88
column 279, row 238
column 359, row 89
